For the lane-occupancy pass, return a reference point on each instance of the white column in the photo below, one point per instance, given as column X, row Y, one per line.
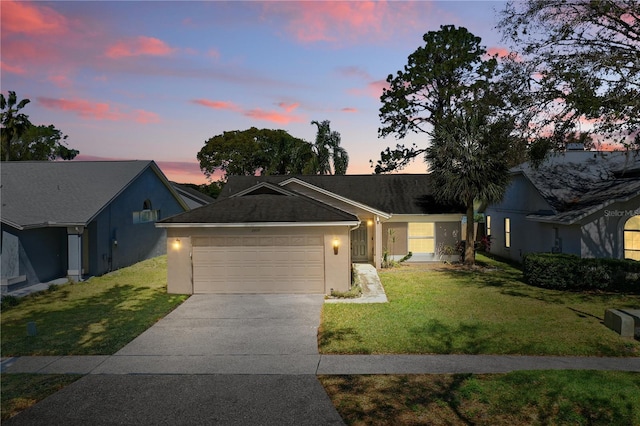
column 377, row 252
column 74, row 252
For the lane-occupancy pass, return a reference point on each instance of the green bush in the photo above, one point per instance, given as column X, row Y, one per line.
column 570, row 272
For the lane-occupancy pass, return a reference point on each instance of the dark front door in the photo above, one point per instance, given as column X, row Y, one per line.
column 359, row 245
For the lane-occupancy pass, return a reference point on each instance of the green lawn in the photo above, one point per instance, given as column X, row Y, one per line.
column 518, row 398
column 21, row 391
column 95, row 317
column 487, row 311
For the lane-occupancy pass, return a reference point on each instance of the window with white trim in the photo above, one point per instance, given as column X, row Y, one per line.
column 632, row 238
column 507, row 232
column 147, row 214
column 422, row 237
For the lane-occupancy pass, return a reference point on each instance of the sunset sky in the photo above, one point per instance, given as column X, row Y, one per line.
column 153, row 80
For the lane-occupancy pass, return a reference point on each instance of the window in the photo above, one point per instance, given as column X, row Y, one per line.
column 507, row 232
column 421, row 238
column 488, row 223
column 146, row 214
column 632, row 238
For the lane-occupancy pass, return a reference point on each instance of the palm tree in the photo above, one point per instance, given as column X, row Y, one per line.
column 468, row 158
column 14, row 123
column 328, row 151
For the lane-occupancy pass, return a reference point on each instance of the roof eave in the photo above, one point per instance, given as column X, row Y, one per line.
column 256, row 224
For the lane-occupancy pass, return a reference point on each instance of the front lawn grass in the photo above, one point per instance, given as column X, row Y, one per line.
column 95, row 317
column 451, row 310
column 517, row 398
column 21, row 391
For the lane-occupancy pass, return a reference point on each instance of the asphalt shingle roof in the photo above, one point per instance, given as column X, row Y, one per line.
column 263, row 206
column 57, row 193
column 577, row 186
column 395, row 193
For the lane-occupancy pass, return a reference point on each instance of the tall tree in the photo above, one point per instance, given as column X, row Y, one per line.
column 437, row 78
column 330, row 157
column 468, row 157
column 22, row 141
column 255, row 152
column 583, row 60
column 452, row 92
column 14, row 122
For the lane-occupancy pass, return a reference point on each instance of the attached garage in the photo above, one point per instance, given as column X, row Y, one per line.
column 265, row 240
column 258, row 264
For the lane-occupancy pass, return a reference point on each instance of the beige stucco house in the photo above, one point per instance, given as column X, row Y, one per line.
column 300, row 234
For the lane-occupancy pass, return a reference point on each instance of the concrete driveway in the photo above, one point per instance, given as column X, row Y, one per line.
column 216, row 359
column 251, row 324
column 227, row 334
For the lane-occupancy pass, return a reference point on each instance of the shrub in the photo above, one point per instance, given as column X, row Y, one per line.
column 570, row 272
column 9, row 301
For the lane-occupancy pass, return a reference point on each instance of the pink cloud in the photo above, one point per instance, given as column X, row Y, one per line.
column 272, row 116
column 30, row 18
column 502, row 52
column 176, row 171
column 337, row 21
column 12, row 69
column 61, row 81
column 97, row 110
column 185, row 172
column 84, row 108
column 349, row 109
column 257, row 113
column 629, row 19
column 214, row 53
column 145, row 117
column 373, row 89
column 139, row 46
column 288, row 107
column 28, row 53
column 216, row 104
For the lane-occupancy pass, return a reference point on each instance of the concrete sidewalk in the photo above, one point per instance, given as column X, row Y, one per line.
column 307, row 364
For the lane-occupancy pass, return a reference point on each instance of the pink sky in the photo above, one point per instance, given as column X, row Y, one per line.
column 124, row 87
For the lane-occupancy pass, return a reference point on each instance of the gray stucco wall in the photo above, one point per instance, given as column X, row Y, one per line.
column 42, row 253
column 598, row 235
column 135, row 242
column 520, row 199
column 602, row 233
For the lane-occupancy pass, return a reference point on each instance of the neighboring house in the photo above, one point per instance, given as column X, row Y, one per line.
column 75, row 218
column 579, row 202
column 301, row 233
column 192, row 197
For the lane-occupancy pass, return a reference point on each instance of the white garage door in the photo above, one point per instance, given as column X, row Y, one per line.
column 258, row 264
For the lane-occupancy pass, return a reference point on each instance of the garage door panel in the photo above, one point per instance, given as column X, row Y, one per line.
column 288, row 265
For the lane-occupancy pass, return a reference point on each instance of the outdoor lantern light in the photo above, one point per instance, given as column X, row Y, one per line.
column 369, row 222
column 176, row 244
column 336, row 245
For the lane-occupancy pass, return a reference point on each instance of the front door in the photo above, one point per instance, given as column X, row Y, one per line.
column 359, row 245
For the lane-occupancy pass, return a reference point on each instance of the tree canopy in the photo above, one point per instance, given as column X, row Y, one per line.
column 273, row 152
column 582, row 61
column 21, row 140
column 455, row 94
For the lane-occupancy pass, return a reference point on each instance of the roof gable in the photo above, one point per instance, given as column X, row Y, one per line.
column 390, row 194
column 263, row 188
column 57, row 193
column 260, row 205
